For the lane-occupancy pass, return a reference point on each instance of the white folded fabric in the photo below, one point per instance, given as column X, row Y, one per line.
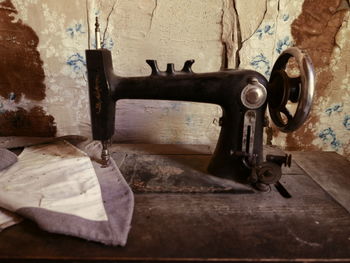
column 58, row 186
column 57, row 177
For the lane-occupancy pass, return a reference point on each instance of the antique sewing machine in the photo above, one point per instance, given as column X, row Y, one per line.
column 242, row 94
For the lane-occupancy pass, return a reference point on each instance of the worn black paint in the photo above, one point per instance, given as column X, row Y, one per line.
column 222, row 88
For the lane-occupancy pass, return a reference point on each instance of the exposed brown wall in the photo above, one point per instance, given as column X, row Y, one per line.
column 34, row 122
column 314, row 31
column 21, row 75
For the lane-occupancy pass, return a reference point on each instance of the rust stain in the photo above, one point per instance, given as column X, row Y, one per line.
column 27, row 123
column 21, row 74
column 314, row 31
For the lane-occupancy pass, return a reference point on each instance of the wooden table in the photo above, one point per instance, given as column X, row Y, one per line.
column 197, row 223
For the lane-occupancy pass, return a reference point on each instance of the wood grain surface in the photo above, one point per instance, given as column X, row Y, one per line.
column 311, row 226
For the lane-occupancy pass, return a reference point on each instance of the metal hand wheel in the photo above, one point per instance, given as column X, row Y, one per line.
column 282, row 88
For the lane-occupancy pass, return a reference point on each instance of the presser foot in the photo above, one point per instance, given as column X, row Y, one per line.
column 271, row 172
column 268, row 173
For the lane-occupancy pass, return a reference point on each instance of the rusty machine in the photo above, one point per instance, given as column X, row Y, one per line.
column 242, row 94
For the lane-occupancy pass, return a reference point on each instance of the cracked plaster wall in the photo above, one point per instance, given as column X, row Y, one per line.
column 233, row 33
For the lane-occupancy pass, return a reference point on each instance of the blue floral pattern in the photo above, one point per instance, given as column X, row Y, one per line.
column 260, row 62
column 334, row 108
column 77, row 62
column 346, row 122
column 283, row 44
column 74, row 30
column 329, row 136
column 267, row 30
column 285, row 17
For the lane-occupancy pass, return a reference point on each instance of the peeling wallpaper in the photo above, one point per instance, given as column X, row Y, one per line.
column 21, row 79
column 317, row 30
column 217, row 34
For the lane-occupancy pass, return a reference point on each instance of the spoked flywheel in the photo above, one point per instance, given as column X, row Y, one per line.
column 282, row 89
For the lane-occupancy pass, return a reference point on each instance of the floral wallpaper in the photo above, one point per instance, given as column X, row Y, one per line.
column 238, row 33
column 326, row 28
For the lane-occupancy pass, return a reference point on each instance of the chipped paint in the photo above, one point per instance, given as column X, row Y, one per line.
column 231, row 35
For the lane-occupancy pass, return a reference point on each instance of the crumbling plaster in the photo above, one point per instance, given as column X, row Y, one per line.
column 217, row 34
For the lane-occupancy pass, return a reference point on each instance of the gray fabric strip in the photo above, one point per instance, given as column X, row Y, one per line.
column 7, row 158
column 118, row 201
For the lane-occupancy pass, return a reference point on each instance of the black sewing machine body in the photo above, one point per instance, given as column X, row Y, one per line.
column 242, row 95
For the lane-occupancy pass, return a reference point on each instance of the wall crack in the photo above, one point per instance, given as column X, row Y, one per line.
column 259, row 25
column 239, row 36
column 88, row 22
column 153, row 13
column 107, row 21
column 276, row 23
column 230, row 36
